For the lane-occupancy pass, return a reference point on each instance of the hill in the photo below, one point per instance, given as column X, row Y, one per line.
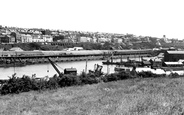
column 144, row 96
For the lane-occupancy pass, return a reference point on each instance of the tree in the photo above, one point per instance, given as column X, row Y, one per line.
column 60, row 37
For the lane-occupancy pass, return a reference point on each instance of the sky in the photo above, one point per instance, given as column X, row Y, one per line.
column 139, row 17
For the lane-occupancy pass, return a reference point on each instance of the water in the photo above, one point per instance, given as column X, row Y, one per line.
column 42, row 70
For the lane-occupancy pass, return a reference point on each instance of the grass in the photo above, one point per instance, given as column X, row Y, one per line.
column 140, row 96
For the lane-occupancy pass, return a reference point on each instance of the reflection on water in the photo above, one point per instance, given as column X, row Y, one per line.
column 42, row 70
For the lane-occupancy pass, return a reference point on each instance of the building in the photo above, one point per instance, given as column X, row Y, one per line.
column 166, row 40
column 103, row 40
column 37, row 38
column 26, row 38
column 18, row 37
column 5, row 39
column 47, row 38
column 85, row 39
column 11, row 39
column 118, row 40
column 4, row 31
column 93, row 40
column 173, row 56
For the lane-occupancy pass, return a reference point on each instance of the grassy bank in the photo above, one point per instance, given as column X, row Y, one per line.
column 139, row 96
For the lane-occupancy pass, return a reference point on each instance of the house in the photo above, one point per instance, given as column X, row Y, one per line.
column 11, row 39
column 118, row 40
column 2, row 31
column 85, row 39
column 47, row 38
column 166, row 40
column 26, row 38
column 158, row 43
column 7, row 39
column 37, row 38
column 18, row 38
column 94, row 40
column 4, row 39
column 145, row 39
column 102, row 40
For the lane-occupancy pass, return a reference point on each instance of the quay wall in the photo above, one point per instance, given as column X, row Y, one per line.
column 22, row 54
column 22, row 58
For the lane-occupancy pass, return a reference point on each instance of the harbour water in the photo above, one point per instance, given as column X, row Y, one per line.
column 46, row 69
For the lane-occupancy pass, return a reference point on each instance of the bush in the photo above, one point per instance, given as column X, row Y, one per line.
column 111, row 77
column 53, row 82
column 174, row 75
column 91, row 78
column 16, row 85
column 123, row 75
column 69, row 80
column 24, row 84
column 148, row 74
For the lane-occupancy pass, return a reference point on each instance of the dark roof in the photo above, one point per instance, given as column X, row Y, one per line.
column 146, row 63
column 70, row 69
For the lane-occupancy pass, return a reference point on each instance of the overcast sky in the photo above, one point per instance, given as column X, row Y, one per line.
column 139, row 17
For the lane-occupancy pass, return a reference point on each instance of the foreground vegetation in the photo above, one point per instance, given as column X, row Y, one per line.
column 15, row 85
column 138, row 96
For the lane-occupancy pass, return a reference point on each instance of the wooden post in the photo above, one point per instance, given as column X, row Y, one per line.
column 86, row 65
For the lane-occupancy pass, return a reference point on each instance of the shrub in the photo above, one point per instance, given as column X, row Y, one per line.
column 174, row 75
column 14, row 85
column 25, row 83
column 111, row 77
column 90, row 78
column 123, row 75
column 148, row 74
column 53, row 82
column 68, row 80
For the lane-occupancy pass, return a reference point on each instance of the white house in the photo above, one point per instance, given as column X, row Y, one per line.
column 25, row 38
column 85, row 39
column 37, row 38
column 47, row 38
column 118, row 40
column 104, row 40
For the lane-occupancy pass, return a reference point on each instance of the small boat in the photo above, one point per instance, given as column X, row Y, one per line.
column 122, row 68
column 111, row 63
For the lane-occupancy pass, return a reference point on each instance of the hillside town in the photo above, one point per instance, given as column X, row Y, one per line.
column 14, row 35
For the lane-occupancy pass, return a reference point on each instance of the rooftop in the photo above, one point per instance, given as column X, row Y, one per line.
column 175, row 52
column 173, row 63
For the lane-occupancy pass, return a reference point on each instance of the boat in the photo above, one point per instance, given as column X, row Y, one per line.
column 111, row 63
column 122, row 68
